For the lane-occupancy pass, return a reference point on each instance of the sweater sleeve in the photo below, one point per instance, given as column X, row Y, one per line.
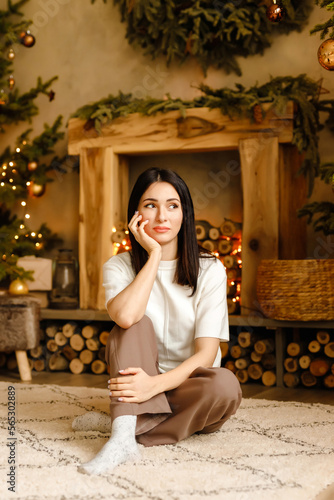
column 211, row 312
column 117, row 275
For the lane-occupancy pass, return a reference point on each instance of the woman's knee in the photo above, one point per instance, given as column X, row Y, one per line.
column 224, row 385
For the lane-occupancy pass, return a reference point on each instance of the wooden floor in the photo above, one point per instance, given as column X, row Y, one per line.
column 256, row 391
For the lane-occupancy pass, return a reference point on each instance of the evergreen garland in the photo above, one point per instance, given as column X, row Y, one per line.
column 215, row 32
column 235, row 103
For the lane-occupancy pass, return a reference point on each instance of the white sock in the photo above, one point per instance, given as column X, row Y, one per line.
column 121, row 447
column 92, row 421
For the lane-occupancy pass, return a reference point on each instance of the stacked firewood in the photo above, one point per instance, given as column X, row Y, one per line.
column 251, row 358
column 311, row 363
column 225, row 243
column 69, row 347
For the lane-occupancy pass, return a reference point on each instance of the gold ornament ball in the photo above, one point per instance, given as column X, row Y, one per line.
column 275, row 13
column 27, row 39
column 11, row 82
column 32, row 165
column 18, row 287
column 326, row 54
column 36, row 190
column 11, row 54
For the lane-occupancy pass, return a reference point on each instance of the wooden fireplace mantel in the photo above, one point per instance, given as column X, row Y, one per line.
column 202, row 129
column 271, row 190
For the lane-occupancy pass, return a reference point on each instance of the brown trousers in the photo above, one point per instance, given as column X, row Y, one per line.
column 201, row 404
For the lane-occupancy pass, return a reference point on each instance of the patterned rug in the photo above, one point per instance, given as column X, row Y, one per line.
column 268, row 451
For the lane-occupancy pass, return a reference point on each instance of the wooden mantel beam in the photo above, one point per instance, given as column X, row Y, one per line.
column 202, row 129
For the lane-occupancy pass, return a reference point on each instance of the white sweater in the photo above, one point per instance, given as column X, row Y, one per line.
column 177, row 318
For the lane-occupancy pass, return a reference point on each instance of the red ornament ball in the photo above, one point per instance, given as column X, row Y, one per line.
column 27, row 39
column 275, row 13
column 326, row 54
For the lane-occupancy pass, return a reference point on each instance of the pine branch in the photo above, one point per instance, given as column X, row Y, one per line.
column 326, row 28
column 324, row 222
column 34, row 150
column 21, row 107
column 16, row 242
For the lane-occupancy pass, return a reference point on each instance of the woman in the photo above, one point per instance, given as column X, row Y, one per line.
column 168, row 301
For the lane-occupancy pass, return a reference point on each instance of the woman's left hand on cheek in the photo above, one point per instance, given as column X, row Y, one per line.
column 133, row 386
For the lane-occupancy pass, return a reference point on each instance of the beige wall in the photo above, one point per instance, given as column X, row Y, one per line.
column 85, row 46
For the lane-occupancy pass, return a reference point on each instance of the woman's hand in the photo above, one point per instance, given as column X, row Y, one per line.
column 134, row 386
column 137, row 228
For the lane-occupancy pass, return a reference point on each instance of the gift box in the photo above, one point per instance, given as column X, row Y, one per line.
column 42, row 271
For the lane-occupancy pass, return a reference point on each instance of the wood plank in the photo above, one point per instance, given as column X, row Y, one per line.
column 259, row 173
column 234, row 320
column 293, row 195
column 103, row 198
column 202, row 129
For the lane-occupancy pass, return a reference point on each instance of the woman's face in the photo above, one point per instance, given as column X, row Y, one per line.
column 161, row 206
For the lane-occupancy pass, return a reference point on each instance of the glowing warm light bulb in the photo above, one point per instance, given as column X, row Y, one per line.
column 123, row 242
column 13, row 187
column 4, row 167
column 28, row 183
column 16, row 237
column 232, row 283
column 22, row 226
column 33, row 234
column 11, row 180
column 239, row 261
column 127, row 248
column 23, row 203
column 114, row 230
column 234, row 300
column 27, row 216
column 126, row 232
column 2, row 184
column 118, row 244
column 18, row 150
column 11, row 163
column 3, row 173
column 40, row 235
column 37, row 244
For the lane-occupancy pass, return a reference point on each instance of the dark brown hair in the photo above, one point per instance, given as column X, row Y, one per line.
column 188, row 250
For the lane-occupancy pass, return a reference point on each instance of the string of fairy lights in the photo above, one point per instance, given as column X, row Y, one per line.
column 10, row 178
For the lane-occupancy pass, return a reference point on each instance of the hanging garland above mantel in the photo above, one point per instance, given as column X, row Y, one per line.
column 235, row 103
column 215, row 32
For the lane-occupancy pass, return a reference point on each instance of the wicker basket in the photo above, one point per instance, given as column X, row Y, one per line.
column 296, row 289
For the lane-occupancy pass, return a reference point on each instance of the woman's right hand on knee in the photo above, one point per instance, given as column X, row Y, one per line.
column 137, row 228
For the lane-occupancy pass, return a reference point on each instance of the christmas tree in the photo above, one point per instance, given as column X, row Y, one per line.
column 23, row 172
